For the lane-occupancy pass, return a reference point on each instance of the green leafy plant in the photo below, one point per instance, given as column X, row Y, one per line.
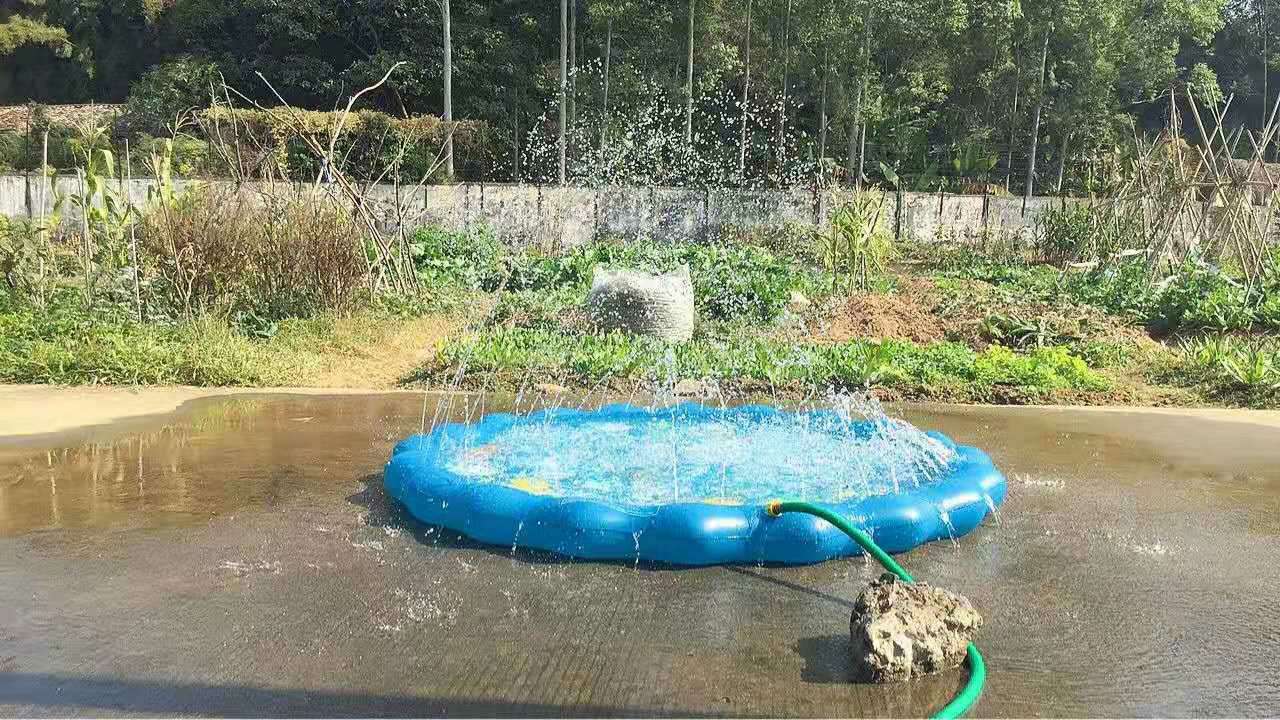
column 1023, row 332
column 856, row 248
column 518, row 353
column 472, row 260
column 972, row 161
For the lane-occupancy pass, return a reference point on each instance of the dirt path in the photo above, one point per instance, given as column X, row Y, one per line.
column 28, row 410
column 383, row 364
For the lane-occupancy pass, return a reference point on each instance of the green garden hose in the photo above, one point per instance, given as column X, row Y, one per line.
column 977, row 667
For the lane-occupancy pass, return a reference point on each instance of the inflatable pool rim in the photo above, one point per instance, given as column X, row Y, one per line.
column 681, row 533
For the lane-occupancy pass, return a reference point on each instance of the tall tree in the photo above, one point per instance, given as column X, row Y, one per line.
column 562, row 145
column 1035, row 122
column 30, row 44
column 688, row 85
column 24, row 23
column 746, row 90
column 446, row 21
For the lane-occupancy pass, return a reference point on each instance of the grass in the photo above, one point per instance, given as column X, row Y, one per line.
column 1006, row 329
column 944, row 369
column 1232, row 369
column 69, row 347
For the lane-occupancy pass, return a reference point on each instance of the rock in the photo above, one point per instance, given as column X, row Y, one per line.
column 550, row 388
column 789, row 321
column 900, row 631
column 798, row 303
column 639, row 303
column 689, row 388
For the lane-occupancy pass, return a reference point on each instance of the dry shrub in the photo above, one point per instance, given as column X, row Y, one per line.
column 221, row 249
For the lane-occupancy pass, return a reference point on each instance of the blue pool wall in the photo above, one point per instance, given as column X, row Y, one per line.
column 686, row 533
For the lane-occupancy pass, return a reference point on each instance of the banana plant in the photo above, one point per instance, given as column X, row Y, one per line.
column 971, row 162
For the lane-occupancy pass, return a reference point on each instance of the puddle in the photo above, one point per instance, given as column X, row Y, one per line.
column 1132, row 573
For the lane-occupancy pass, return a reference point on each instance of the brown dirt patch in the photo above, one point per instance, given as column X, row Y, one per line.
column 384, row 363
column 881, row 316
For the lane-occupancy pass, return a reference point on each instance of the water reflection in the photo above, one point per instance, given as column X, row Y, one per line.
column 222, row 456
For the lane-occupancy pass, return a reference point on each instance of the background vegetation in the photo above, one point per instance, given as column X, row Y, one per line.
column 925, row 93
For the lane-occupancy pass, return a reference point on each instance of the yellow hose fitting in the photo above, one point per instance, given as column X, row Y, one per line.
column 774, row 508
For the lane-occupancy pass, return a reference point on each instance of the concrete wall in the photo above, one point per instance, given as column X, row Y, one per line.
column 554, row 217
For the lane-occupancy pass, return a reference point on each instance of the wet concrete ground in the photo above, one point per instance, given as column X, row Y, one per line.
column 241, row 559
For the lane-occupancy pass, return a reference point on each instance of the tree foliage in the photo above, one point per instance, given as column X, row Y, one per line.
column 938, row 87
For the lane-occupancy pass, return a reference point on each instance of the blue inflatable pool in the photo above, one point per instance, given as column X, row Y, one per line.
column 688, row 484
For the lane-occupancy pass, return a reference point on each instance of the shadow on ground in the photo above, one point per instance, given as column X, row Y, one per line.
column 787, row 584
column 826, row 660
column 68, row 692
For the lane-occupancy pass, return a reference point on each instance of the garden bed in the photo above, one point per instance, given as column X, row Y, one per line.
column 941, row 324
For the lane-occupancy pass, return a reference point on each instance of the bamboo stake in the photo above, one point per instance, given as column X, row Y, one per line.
column 133, row 232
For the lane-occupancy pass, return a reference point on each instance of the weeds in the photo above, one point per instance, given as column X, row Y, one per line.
column 1024, row 332
column 472, row 260
column 730, row 282
column 1192, row 295
column 261, row 258
column 1235, row 369
column 1081, row 233
column 516, row 353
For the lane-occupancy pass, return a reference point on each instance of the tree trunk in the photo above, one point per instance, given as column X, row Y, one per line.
column 448, row 88
column 688, row 86
column 1035, row 122
column 786, row 67
column 1262, row 26
column 1013, row 128
column 862, row 126
column 564, row 81
column 515, row 123
column 858, row 133
column 604, row 111
column 573, row 61
column 822, row 110
column 1062, row 161
column 852, row 163
column 746, row 86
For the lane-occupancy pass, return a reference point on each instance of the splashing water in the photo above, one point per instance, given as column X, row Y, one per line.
column 692, row 453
